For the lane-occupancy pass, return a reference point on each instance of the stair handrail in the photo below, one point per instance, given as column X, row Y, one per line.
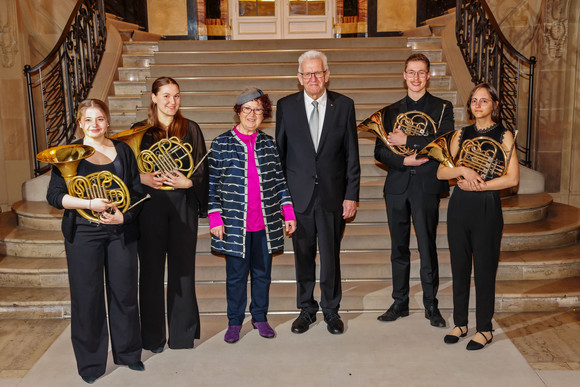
column 491, row 58
column 65, row 76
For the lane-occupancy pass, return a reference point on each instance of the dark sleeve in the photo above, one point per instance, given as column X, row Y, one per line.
column 200, row 178
column 56, row 189
column 447, row 124
column 131, row 180
column 352, row 158
column 280, row 136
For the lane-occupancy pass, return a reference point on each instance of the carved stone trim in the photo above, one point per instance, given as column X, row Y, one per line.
column 8, row 36
column 556, row 26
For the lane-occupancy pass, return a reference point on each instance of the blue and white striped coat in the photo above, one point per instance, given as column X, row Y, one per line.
column 228, row 191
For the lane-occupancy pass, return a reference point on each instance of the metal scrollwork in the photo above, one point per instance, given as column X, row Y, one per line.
column 63, row 79
column 491, row 58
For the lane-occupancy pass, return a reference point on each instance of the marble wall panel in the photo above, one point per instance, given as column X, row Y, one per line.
column 396, row 15
column 551, row 129
column 167, row 17
column 549, row 163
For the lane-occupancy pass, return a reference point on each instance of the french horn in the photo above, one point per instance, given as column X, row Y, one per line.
column 163, row 156
column 412, row 123
column 101, row 184
column 483, row 154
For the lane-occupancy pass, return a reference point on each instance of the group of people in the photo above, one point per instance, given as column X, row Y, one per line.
column 254, row 189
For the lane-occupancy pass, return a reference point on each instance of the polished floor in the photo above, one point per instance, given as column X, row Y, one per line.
column 531, row 349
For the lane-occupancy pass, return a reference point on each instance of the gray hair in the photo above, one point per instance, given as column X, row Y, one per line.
column 312, row 54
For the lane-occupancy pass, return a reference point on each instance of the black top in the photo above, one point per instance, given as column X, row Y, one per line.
column 125, row 168
column 399, row 175
column 197, row 195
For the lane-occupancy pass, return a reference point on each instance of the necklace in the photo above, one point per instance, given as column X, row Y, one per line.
column 486, row 129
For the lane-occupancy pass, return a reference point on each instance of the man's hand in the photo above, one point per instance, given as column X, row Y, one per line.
column 397, row 137
column 348, row 209
column 413, row 161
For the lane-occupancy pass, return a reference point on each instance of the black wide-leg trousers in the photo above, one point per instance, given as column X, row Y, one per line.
column 474, row 228
column 168, row 227
column 97, row 256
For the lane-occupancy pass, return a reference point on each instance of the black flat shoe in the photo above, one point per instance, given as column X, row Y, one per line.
column 137, row 366
column 89, row 379
column 474, row 345
column 452, row 339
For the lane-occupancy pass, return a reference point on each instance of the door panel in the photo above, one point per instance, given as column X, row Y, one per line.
column 281, row 19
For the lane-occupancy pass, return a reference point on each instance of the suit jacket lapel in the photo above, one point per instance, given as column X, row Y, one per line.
column 302, row 119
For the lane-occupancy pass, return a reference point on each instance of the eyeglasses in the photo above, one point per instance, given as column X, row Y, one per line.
column 421, row 74
column 482, row 101
column 257, row 111
column 318, row 74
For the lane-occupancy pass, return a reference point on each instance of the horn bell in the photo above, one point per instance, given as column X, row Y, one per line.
column 440, row 149
column 66, row 158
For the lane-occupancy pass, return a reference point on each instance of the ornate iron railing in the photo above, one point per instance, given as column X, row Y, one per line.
column 492, row 59
column 63, row 79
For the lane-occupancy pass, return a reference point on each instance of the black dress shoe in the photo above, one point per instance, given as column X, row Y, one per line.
column 158, row 349
column 333, row 323
column 302, row 323
column 393, row 313
column 452, row 339
column 89, row 379
column 474, row 345
column 137, row 366
column 434, row 316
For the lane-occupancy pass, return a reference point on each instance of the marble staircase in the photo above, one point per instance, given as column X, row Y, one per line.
column 540, row 262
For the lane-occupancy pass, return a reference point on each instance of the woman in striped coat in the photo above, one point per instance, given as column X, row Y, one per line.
column 247, row 196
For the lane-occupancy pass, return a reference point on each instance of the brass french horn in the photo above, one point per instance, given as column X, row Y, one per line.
column 483, row 154
column 163, row 156
column 101, row 184
column 412, row 123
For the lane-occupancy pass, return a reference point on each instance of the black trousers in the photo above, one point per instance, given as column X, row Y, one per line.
column 99, row 252
column 474, row 228
column 328, row 226
column 424, row 209
column 168, row 226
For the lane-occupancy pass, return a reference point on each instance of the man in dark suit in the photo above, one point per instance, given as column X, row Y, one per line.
column 413, row 190
column 318, row 146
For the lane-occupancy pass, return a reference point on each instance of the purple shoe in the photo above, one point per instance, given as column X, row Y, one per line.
column 232, row 334
column 264, row 329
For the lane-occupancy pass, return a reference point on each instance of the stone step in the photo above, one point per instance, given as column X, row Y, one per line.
column 130, row 74
column 218, row 114
column 556, row 263
column 227, row 99
column 291, row 55
column 524, row 208
column 368, row 296
column 297, row 44
column 138, row 60
column 129, row 35
column 140, row 47
column 33, row 272
column 287, row 82
column 24, row 242
column 276, row 69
